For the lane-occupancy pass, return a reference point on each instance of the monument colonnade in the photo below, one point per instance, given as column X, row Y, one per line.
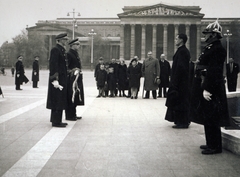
column 165, row 39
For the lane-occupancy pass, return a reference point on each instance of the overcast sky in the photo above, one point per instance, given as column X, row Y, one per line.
column 16, row 14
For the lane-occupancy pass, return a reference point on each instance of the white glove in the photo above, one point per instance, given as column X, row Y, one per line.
column 18, row 75
column 56, row 85
column 207, row 95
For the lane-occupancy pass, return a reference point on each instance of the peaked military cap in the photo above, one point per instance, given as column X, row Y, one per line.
column 73, row 41
column 62, row 35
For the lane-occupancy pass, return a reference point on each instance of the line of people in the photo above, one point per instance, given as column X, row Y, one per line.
column 116, row 77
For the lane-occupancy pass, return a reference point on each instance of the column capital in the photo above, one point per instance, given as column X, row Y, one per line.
column 132, row 24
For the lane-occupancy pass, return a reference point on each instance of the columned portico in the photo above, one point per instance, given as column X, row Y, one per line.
column 159, row 25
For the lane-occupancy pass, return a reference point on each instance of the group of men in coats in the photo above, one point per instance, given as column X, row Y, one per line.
column 65, row 87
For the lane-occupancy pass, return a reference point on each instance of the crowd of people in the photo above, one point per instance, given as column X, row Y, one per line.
column 115, row 78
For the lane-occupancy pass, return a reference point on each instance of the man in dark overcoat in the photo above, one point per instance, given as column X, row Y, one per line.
column 178, row 93
column 57, row 85
column 232, row 75
column 20, row 73
column 35, row 72
column 151, row 72
column 165, row 72
column 208, row 99
column 75, row 89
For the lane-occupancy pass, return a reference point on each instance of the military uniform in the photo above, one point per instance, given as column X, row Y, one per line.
column 57, row 98
column 74, row 63
column 210, row 110
column 35, row 73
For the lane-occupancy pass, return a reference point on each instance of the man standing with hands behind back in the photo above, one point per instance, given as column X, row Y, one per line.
column 57, row 85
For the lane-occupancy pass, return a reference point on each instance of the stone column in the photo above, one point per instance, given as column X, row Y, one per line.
column 122, row 41
column 198, row 40
column 132, row 40
column 50, row 45
column 111, row 52
column 154, row 41
column 165, row 34
column 175, row 34
column 143, row 53
column 188, row 35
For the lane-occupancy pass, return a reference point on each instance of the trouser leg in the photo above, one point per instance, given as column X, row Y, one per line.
column 165, row 92
column 213, row 136
column 56, row 116
column 70, row 112
column 154, row 94
column 147, row 94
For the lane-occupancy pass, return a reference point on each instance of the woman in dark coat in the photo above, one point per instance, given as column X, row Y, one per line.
column 208, row 99
column 122, row 78
column 35, row 72
column 134, row 75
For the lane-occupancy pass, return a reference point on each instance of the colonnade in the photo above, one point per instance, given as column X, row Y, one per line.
column 165, row 39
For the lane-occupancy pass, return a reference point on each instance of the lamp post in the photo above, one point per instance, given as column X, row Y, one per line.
column 228, row 34
column 92, row 33
column 74, row 20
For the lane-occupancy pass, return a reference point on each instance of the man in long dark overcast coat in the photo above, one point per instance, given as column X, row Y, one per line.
column 178, row 93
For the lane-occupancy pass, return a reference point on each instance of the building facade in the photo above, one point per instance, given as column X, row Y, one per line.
column 136, row 31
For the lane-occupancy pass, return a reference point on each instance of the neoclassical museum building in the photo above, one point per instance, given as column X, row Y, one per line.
column 136, row 31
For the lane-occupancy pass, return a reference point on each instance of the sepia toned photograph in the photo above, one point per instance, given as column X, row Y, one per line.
column 119, row 88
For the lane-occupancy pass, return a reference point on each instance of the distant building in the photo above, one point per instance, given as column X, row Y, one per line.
column 137, row 30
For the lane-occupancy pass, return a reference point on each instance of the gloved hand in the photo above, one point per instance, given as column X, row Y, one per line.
column 207, row 95
column 57, row 85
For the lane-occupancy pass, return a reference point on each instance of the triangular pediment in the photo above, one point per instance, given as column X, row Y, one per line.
column 160, row 10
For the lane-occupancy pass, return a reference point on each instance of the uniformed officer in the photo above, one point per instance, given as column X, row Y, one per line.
column 208, row 100
column 75, row 91
column 35, row 72
column 57, row 86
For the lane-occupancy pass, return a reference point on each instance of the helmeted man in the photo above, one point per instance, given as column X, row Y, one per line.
column 151, row 72
column 75, row 91
column 57, row 84
column 35, row 72
column 208, row 99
